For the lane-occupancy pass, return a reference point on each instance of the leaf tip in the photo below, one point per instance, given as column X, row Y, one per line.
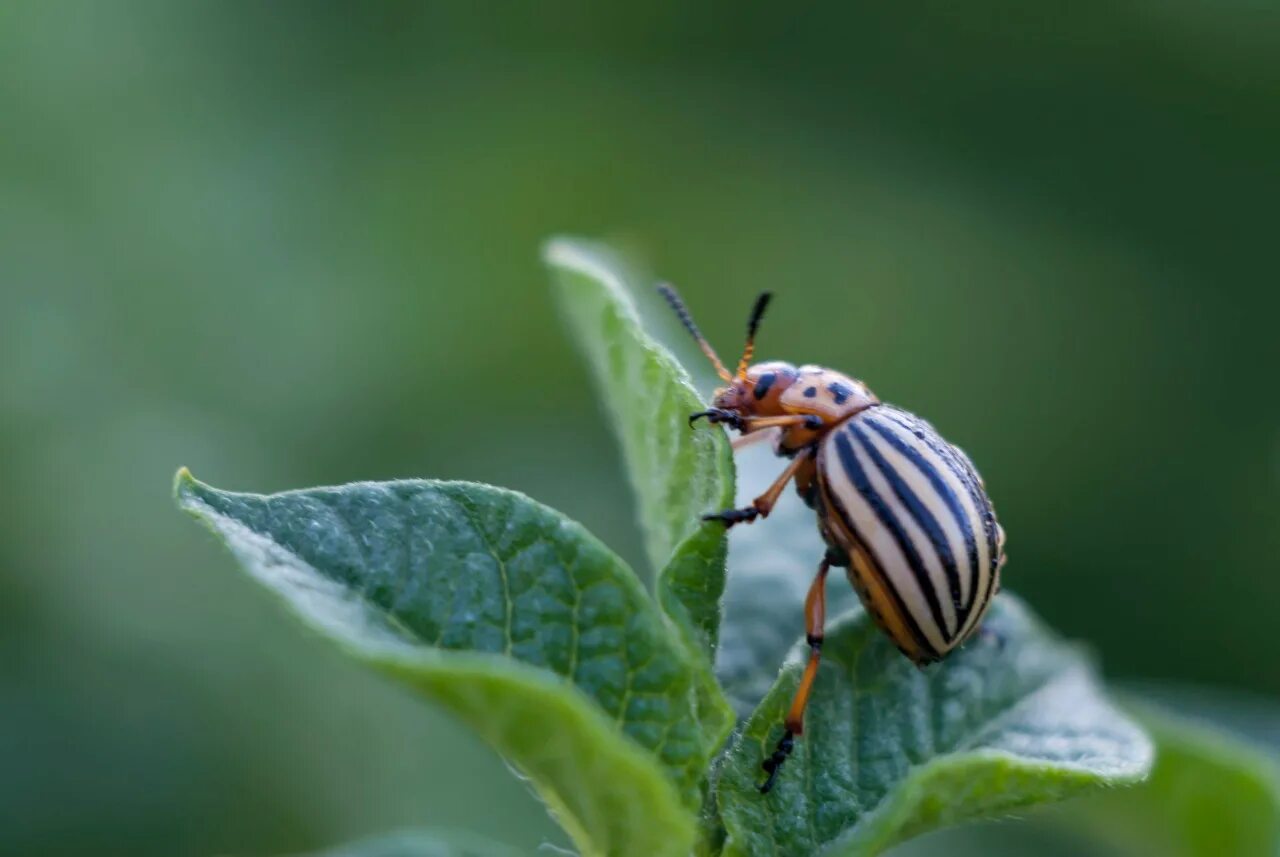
column 186, row 488
column 572, row 253
column 556, row 247
column 607, row 271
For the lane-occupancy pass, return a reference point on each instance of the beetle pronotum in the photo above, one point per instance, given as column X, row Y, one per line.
column 902, row 510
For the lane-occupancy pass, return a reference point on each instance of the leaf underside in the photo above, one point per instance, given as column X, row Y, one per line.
column 508, row 614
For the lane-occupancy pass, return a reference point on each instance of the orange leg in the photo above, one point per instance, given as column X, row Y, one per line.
column 762, row 505
column 815, row 617
column 810, row 421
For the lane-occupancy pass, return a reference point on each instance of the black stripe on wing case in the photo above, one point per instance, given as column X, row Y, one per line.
column 946, row 493
column 926, row 433
column 836, row 507
column 923, row 516
column 858, row 477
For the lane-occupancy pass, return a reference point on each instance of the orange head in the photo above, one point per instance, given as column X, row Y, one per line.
column 758, row 391
column 750, row 390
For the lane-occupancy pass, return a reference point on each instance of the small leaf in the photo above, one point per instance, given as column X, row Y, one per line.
column 678, row 474
column 419, row 843
column 1209, row 795
column 510, row 615
column 1014, row 719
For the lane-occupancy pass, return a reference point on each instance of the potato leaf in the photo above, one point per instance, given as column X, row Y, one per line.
column 1015, row 719
column 677, row 474
column 511, row 616
column 1211, row 794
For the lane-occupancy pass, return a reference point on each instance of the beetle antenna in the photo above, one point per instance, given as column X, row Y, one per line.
column 687, row 320
column 753, row 324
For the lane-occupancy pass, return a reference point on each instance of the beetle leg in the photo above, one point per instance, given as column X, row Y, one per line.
column 815, row 615
column 735, row 420
column 762, row 505
column 813, row 422
column 729, row 517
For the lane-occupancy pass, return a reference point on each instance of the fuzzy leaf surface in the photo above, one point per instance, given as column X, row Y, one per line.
column 890, row 751
column 678, row 474
column 506, row 613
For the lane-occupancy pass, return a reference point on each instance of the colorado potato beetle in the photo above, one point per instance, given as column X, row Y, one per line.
column 901, row 509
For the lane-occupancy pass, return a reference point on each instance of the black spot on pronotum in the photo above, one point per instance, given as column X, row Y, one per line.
column 763, row 385
column 810, row 392
column 840, row 392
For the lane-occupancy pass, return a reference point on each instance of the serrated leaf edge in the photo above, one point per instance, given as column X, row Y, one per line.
column 405, row 660
column 878, row 827
column 585, row 258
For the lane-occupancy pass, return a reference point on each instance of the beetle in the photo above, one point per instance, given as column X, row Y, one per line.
column 903, row 511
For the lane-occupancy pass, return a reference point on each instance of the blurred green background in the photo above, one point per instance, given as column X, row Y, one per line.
column 297, row 243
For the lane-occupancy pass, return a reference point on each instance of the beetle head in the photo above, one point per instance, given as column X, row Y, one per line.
column 758, row 391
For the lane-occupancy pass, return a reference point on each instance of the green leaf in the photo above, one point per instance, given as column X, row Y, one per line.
column 1014, row 719
column 677, row 474
column 420, row 843
column 511, row 616
column 1210, row 795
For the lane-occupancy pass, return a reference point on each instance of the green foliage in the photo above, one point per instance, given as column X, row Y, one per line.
column 1209, row 795
column 420, row 843
column 677, row 474
column 1014, row 719
column 545, row 642
column 509, row 615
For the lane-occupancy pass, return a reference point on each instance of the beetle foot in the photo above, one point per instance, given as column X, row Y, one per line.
column 719, row 415
column 729, row 517
column 773, row 764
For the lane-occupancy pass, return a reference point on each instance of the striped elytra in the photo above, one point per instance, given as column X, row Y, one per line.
column 900, row 508
column 915, row 521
